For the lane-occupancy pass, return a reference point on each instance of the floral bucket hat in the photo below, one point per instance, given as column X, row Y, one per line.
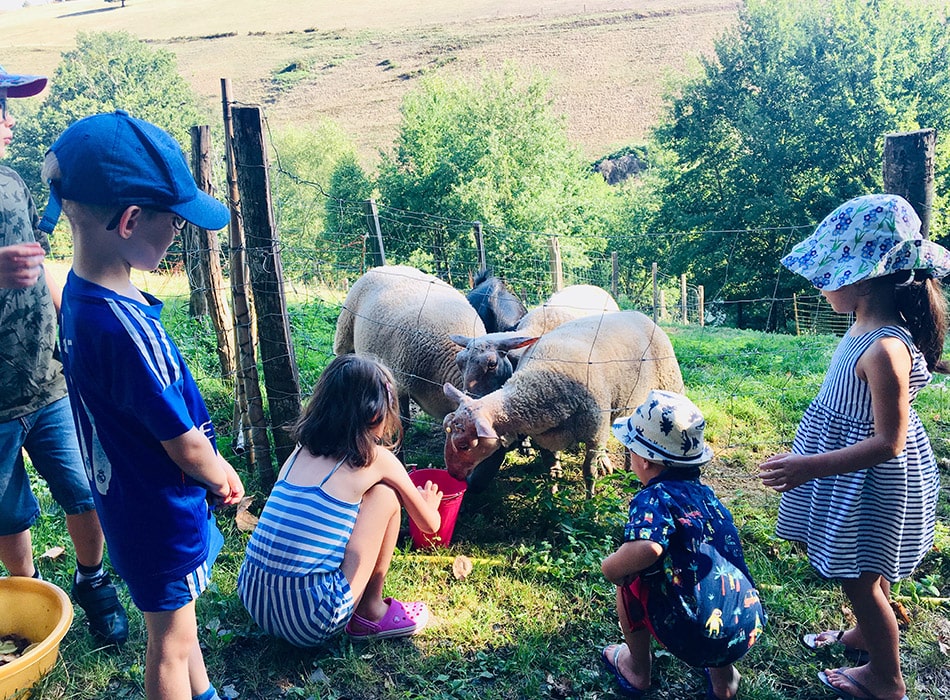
column 667, row 428
column 869, row 236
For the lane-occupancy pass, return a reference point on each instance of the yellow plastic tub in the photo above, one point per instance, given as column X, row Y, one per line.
column 42, row 613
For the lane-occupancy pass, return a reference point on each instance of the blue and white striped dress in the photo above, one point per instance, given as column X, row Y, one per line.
column 290, row 581
column 878, row 520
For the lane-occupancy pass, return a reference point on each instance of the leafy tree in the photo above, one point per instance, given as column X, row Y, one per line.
column 307, row 160
column 492, row 152
column 106, row 71
column 786, row 122
column 345, row 226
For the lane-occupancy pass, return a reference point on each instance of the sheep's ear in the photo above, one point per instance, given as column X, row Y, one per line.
column 521, row 341
column 452, row 392
column 484, row 429
column 461, row 340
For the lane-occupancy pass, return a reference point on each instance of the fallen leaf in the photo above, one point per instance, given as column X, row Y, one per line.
column 53, row 553
column 903, row 619
column 230, row 692
column 244, row 519
column 318, row 676
column 461, row 567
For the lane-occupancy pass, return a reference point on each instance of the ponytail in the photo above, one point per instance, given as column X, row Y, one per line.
column 923, row 305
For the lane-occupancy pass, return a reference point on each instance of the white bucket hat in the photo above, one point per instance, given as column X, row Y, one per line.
column 667, row 428
column 869, row 236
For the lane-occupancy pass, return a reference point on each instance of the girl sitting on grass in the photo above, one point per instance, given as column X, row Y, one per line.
column 319, row 555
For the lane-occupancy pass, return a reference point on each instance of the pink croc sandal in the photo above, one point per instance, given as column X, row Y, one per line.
column 400, row 620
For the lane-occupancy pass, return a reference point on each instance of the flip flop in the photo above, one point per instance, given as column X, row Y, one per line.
column 626, row 687
column 823, row 677
column 828, row 639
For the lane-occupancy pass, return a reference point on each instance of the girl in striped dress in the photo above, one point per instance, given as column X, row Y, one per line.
column 860, row 485
column 318, row 558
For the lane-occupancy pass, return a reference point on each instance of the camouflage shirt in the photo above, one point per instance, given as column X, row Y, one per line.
column 30, row 376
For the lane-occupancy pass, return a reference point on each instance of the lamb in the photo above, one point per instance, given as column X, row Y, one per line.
column 487, row 362
column 567, row 389
column 404, row 317
column 498, row 307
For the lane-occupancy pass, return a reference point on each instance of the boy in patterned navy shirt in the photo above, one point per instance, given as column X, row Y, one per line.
column 146, row 436
column 680, row 574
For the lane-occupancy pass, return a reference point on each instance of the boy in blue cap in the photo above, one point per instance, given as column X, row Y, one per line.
column 147, row 439
column 680, row 573
column 34, row 410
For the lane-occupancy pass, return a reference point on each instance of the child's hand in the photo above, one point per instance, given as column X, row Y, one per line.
column 20, row 265
column 784, row 471
column 232, row 493
column 430, row 494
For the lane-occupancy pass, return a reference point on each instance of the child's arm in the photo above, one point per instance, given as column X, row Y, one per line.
column 422, row 504
column 885, row 366
column 193, row 453
column 630, row 559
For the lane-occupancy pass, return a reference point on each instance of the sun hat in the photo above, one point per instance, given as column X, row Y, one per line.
column 117, row 160
column 869, row 236
column 21, row 85
column 666, row 428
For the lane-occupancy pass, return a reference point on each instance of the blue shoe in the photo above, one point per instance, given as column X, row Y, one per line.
column 106, row 617
column 626, row 687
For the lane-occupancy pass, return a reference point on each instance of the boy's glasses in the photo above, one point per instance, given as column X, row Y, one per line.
column 178, row 222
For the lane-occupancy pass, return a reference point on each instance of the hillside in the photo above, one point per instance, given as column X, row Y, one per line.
column 609, row 61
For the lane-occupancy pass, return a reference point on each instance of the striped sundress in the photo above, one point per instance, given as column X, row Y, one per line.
column 878, row 520
column 290, row 581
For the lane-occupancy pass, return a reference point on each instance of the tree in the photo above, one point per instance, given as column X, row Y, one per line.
column 106, row 71
column 786, row 122
column 492, row 152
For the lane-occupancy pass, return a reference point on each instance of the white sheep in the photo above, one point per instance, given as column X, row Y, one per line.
column 488, row 361
column 566, row 390
column 404, row 317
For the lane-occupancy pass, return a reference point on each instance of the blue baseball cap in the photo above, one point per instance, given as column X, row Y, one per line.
column 117, row 160
column 21, row 85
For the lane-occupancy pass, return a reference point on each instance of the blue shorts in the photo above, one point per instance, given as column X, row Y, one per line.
column 49, row 437
column 156, row 595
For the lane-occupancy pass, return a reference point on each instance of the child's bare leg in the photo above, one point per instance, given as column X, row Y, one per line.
column 725, row 681
column 369, row 552
column 16, row 553
column 854, row 637
column 635, row 662
column 878, row 627
column 174, row 666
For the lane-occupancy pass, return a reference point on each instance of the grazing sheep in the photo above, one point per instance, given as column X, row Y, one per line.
column 568, row 387
column 487, row 362
column 497, row 306
column 403, row 317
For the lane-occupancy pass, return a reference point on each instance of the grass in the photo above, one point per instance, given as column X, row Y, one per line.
column 358, row 59
column 530, row 619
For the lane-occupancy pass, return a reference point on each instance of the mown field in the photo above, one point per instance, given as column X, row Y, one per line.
column 609, row 61
column 531, row 618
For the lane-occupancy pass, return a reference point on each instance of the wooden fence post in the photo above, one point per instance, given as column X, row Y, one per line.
column 701, row 295
column 909, row 171
column 250, row 425
column 480, row 245
column 557, row 272
column 267, row 279
column 207, row 258
column 683, row 307
column 656, row 295
column 378, row 251
column 614, row 274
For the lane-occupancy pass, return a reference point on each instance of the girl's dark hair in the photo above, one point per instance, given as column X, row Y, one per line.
column 354, row 396
column 921, row 301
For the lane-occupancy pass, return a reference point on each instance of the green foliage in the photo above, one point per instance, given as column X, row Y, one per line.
column 787, row 122
column 345, row 229
column 309, row 161
column 496, row 153
column 106, row 71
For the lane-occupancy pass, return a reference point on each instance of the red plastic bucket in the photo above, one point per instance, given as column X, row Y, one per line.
column 452, row 492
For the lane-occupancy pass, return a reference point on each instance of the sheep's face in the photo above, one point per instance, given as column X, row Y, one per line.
column 469, row 439
column 484, row 362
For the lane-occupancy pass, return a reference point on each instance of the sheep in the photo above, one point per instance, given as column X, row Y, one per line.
column 567, row 389
column 404, row 317
column 498, row 307
column 487, row 362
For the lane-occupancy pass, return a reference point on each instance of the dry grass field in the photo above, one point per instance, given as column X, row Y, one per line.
column 608, row 61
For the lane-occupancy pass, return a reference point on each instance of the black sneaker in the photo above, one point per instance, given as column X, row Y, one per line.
column 104, row 613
